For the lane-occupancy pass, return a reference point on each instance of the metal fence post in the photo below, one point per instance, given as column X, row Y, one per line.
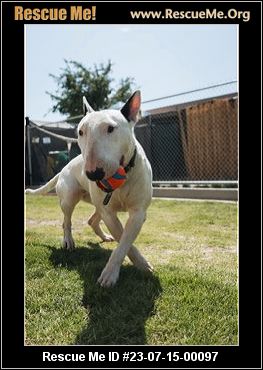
column 29, row 150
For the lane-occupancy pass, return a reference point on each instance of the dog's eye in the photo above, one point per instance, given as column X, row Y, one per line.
column 80, row 132
column 110, row 129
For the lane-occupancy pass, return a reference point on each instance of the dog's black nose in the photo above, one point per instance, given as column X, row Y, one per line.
column 96, row 175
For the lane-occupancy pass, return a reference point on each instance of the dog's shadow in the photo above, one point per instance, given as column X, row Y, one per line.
column 115, row 315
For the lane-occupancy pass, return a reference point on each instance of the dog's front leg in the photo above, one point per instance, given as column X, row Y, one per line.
column 110, row 274
column 134, row 254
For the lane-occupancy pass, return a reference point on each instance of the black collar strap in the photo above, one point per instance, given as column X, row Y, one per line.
column 132, row 161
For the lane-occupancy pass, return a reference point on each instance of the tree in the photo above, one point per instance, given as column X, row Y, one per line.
column 76, row 81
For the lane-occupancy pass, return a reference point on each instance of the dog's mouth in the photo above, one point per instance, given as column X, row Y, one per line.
column 96, row 175
column 100, row 173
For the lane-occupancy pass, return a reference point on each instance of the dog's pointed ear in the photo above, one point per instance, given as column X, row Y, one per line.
column 131, row 108
column 86, row 107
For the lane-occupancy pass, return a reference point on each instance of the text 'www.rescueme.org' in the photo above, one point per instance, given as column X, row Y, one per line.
column 231, row 14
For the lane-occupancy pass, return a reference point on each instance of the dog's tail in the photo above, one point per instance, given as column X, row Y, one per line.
column 45, row 188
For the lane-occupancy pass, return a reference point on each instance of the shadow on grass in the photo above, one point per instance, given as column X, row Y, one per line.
column 116, row 315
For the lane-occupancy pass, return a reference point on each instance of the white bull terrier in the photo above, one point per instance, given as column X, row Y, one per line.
column 106, row 139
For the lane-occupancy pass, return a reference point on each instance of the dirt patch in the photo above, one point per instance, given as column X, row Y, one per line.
column 208, row 251
column 45, row 222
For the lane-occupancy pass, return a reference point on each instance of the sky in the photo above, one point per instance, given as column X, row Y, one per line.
column 163, row 59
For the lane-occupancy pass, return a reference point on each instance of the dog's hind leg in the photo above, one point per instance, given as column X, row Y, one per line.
column 67, row 208
column 94, row 222
column 69, row 194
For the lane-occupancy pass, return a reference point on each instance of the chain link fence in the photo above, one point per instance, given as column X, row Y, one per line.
column 195, row 142
column 188, row 138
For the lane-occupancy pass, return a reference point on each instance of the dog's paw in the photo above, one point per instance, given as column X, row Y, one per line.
column 148, row 267
column 68, row 243
column 144, row 266
column 107, row 238
column 109, row 276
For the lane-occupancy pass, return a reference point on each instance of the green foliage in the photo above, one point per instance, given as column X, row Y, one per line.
column 96, row 84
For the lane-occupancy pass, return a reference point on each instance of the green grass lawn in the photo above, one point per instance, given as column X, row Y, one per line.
column 191, row 298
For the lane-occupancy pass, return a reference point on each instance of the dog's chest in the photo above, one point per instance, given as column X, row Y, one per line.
column 119, row 200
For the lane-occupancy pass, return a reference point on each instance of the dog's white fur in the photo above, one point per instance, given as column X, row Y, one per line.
column 102, row 149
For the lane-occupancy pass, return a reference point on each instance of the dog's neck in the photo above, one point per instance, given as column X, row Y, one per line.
column 127, row 165
column 131, row 162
